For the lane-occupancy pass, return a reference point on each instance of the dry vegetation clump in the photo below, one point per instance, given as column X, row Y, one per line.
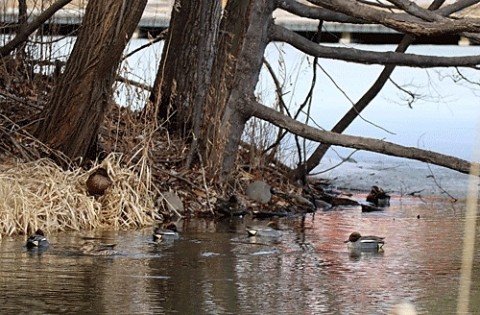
column 40, row 194
column 143, row 160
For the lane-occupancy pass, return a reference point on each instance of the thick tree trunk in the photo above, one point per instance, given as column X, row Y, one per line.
column 258, row 19
column 71, row 118
column 183, row 76
column 232, row 34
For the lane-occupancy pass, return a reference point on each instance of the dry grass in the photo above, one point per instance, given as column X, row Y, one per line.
column 41, row 195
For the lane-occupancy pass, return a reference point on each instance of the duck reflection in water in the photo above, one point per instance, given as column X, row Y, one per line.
column 272, row 230
column 92, row 248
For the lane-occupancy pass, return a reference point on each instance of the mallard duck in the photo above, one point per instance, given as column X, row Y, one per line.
column 98, row 182
column 37, row 240
column 271, row 230
column 370, row 242
column 168, row 232
column 97, row 249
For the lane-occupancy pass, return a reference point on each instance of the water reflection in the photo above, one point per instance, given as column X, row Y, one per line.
column 214, row 268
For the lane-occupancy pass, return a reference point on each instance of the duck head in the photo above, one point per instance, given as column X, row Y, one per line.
column 355, row 236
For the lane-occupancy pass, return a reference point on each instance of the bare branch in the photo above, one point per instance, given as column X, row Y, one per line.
column 315, row 12
column 278, row 33
column 415, row 10
column 456, row 6
column 252, row 108
column 401, row 22
column 28, row 29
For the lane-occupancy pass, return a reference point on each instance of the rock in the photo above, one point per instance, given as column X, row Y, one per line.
column 173, row 202
column 370, row 207
column 259, row 191
column 322, row 205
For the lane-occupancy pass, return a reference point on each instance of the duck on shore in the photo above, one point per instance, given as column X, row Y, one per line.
column 37, row 240
column 98, row 182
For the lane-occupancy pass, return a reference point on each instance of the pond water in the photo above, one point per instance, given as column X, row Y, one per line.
column 214, row 268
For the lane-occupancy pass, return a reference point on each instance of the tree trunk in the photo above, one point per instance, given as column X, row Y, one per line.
column 249, row 63
column 232, row 34
column 180, row 87
column 71, row 118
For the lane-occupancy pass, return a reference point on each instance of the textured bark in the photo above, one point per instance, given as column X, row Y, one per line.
column 180, row 86
column 72, row 116
column 232, row 34
column 249, row 63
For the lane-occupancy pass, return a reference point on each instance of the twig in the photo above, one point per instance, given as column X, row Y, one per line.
column 438, row 185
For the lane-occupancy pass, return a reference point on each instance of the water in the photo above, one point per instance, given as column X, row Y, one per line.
column 216, row 269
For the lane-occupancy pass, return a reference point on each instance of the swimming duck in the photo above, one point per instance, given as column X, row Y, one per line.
column 97, row 249
column 378, row 197
column 37, row 240
column 168, row 232
column 271, row 230
column 98, row 182
column 370, row 242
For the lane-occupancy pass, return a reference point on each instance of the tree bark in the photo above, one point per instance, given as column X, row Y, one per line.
column 232, row 35
column 72, row 116
column 258, row 19
column 179, row 90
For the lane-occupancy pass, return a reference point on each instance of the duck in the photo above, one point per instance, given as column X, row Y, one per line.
column 37, row 240
column 378, row 197
column 167, row 232
column 98, row 182
column 97, row 249
column 271, row 230
column 370, row 242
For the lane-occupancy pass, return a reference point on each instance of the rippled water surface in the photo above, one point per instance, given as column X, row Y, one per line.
column 216, row 269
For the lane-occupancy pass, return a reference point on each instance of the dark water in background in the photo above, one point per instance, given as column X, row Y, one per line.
column 215, row 269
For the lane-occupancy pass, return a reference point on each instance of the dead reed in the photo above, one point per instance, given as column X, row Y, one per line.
column 40, row 194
